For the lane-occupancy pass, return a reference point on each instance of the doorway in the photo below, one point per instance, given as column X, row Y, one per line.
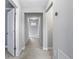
column 34, row 27
column 10, row 25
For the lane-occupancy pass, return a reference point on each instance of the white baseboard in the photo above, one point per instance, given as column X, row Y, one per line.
column 20, row 51
column 45, row 48
column 50, row 48
column 23, row 48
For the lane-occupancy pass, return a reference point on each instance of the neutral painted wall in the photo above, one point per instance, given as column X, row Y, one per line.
column 33, row 5
column 32, row 10
column 45, row 45
column 63, row 27
column 48, row 28
column 26, row 10
column 27, row 15
column 49, row 18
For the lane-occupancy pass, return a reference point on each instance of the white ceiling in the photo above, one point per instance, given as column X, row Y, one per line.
column 33, row 4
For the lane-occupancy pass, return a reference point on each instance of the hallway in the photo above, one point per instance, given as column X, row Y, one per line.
column 32, row 50
column 38, row 29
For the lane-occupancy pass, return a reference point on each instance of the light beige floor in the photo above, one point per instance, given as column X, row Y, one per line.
column 32, row 51
column 9, row 56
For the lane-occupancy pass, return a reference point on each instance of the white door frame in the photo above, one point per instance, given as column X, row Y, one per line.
column 45, row 30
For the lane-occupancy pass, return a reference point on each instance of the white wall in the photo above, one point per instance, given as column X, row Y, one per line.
column 44, row 32
column 47, row 28
column 33, row 4
column 22, row 31
column 36, row 10
column 49, row 18
column 63, row 27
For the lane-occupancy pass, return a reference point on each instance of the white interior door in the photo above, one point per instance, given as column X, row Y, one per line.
column 10, row 25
